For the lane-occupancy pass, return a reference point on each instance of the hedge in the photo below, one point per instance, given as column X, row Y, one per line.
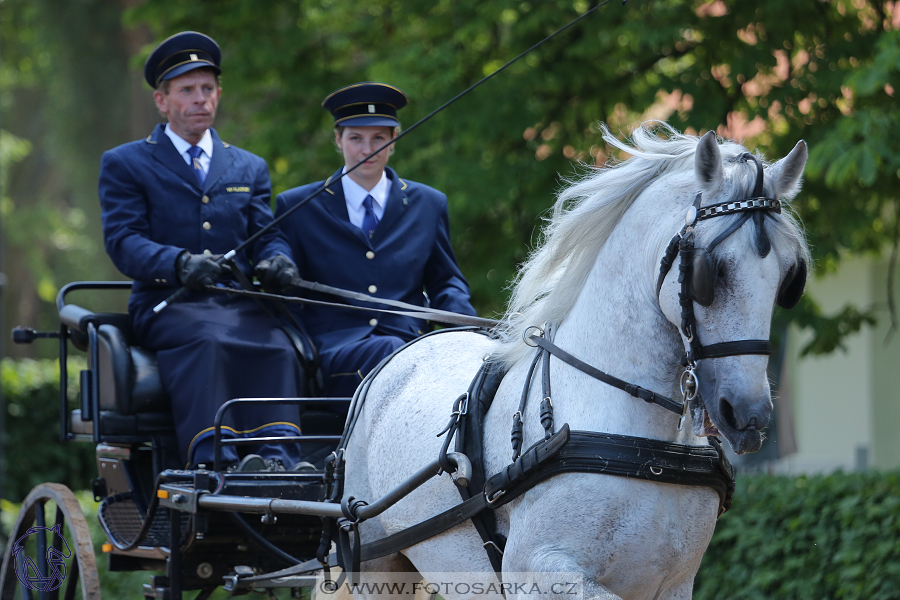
column 817, row 538
column 32, row 452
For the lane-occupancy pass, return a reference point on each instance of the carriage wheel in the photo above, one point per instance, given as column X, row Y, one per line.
column 47, row 560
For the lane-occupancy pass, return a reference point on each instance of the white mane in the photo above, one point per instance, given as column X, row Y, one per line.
column 585, row 214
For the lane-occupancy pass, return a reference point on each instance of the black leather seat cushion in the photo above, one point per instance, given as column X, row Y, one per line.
column 112, row 423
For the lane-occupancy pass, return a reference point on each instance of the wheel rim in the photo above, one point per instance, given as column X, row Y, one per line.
column 72, row 535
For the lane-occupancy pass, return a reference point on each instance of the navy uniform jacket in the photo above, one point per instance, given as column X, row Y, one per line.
column 153, row 208
column 409, row 250
column 210, row 347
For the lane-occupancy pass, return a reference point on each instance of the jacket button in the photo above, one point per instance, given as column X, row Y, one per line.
column 206, row 225
column 373, row 322
column 372, row 289
column 205, row 199
column 207, row 252
column 370, row 255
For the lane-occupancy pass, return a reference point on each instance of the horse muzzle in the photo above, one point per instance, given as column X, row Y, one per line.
column 739, row 419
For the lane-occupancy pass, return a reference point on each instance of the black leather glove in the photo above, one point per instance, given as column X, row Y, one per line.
column 276, row 274
column 198, row 270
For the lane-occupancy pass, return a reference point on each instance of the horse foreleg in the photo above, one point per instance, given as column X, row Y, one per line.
column 556, row 573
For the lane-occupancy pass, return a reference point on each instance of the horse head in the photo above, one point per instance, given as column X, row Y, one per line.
column 741, row 265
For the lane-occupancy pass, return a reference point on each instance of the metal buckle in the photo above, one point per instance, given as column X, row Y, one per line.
column 495, row 496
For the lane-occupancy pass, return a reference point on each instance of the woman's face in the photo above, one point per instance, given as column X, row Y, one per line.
column 356, row 143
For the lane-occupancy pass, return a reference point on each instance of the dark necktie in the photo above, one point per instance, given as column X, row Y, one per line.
column 194, row 152
column 370, row 221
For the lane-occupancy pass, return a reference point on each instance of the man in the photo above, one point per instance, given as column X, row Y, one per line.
column 171, row 204
column 371, row 232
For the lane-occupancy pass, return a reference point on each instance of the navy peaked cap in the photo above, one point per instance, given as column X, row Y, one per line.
column 179, row 54
column 365, row 104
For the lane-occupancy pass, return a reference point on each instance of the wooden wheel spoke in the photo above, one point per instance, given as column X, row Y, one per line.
column 69, row 539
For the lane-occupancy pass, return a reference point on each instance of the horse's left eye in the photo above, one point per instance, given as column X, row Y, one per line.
column 721, row 272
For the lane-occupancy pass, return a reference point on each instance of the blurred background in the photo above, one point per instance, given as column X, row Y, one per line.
column 769, row 73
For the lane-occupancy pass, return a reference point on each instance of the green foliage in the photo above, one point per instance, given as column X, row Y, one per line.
column 835, row 536
column 771, row 72
column 33, row 453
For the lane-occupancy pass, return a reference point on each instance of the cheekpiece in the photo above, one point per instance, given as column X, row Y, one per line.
column 365, row 104
column 179, row 54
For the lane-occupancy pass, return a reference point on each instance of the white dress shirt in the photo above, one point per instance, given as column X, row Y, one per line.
column 354, row 194
column 183, row 145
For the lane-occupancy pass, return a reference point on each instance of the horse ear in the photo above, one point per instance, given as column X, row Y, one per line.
column 708, row 163
column 787, row 171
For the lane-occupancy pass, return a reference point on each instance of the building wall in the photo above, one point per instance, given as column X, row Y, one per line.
column 885, row 369
column 846, row 405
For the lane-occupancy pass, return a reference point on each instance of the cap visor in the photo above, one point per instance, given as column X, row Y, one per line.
column 182, row 69
column 366, row 121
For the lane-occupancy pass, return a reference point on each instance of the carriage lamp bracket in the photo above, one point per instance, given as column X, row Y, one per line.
column 179, row 497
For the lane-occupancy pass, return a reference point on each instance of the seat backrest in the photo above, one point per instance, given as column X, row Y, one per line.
column 129, row 381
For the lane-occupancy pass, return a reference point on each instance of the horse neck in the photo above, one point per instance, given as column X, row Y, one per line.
column 616, row 325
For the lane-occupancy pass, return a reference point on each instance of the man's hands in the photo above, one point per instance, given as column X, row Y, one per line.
column 198, row 270
column 276, row 274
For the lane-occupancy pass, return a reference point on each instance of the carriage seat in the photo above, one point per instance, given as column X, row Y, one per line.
column 133, row 401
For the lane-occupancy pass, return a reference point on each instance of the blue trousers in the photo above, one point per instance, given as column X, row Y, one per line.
column 345, row 368
column 213, row 348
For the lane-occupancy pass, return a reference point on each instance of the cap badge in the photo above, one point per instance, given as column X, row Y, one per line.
column 371, row 108
column 194, row 57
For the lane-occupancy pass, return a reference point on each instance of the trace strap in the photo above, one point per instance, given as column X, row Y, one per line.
column 635, row 390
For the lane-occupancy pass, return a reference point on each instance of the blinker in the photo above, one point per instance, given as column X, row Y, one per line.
column 793, row 285
column 703, row 278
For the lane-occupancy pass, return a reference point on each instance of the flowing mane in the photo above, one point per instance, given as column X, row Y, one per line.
column 584, row 215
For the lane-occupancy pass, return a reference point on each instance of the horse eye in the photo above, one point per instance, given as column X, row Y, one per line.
column 721, row 272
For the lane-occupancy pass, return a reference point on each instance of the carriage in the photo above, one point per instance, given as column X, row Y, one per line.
column 148, row 505
column 698, row 322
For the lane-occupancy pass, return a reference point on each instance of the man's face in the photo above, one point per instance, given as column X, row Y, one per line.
column 190, row 103
column 356, row 143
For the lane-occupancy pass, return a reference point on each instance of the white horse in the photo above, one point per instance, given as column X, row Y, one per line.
column 594, row 277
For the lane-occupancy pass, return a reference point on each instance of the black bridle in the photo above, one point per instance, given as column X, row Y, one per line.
column 697, row 279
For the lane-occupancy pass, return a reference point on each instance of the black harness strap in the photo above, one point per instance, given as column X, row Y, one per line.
column 735, row 348
column 577, row 452
column 635, row 390
column 623, row 456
